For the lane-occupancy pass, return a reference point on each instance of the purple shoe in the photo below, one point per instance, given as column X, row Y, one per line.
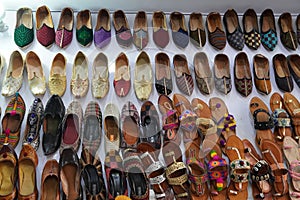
column 102, row 33
column 64, row 32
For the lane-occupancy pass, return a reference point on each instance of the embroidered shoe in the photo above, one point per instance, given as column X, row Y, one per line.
column 34, row 123
column 179, row 30
column 12, row 121
column 140, row 30
column 122, row 75
column 100, row 81
column 44, row 27
column 216, row 34
column 14, row 75
column 64, row 32
column 23, row 34
column 160, row 29
column 122, row 29
column 251, row 32
column 234, row 34
column 57, row 78
column 84, row 31
column 268, row 30
column 287, row 34
column 197, row 30
column 102, row 34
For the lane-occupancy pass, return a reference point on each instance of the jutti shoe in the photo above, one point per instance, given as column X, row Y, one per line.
column 14, row 75
column 34, row 123
column 44, row 27
column 102, row 34
column 197, row 30
column 71, row 127
column 84, row 31
column 287, row 34
column 64, row 32
column 23, row 33
column 179, row 30
column 268, row 32
column 140, row 30
column 35, row 72
column 216, row 34
column 122, row 28
column 122, row 75
column 100, row 80
column 261, row 71
column 50, row 180
column 251, row 31
column 143, row 77
column 112, row 129
column 57, row 77
column 222, row 74
column 12, row 121
column 160, row 29
column 203, row 73
column 183, row 75
column 80, row 78
column 163, row 77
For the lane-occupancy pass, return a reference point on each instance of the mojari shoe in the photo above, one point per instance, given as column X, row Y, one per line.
column 100, row 82
column 35, row 72
column 14, row 75
column 84, row 31
column 102, row 34
column 57, row 78
column 64, row 32
column 44, row 27
column 122, row 75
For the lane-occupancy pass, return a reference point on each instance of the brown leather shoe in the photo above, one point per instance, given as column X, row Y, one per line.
column 203, row 73
column 8, row 166
column 283, row 76
column 242, row 74
column 28, row 162
column 261, row 73
column 140, row 30
column 216, row 34
column 50, row 181
column 222, row 73
column 287, row 34
column 160, row 29
column 197, row 30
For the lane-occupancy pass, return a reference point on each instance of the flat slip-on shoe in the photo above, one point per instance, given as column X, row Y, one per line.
column 216, row 34
column 28, row 161
column 203, row 74
column 23, row 33
column 122, row 29
column 222, row 73
column 71, row 127
column 44, row 27
column 234, row 34
column 183, row 77
column 52, row 124
column 163, row 76
column 140, row 30
column 282, row 73
column 12, row 121
column 268, row 32
column 102, row 33
column 179, row 30
column 80, row 77
column 64, row 31
column 69, row 174
column 84, row 31
column 261, row 71
column 197, row 30
column 251, row 31
column 160, row 29
column 13, row 79
column 242, row 74
column 35, row 72
column 50, row 181
column 33, row 124
column 294, row 66
column 143, row 77
column 57, row 77
column 100, row 73
column 287, row 34
column 9, row 167
column 111, row 126
column 122, row 81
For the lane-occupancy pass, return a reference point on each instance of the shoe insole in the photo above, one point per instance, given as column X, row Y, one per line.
column 84, row 18
column 281, row 69
column 137, row 181
column 26, row 19
column 232, row 22
column 17, row 66
column 58, row 67
column 195, row 22
column 120, row 21
column 12, row 122
column 162, row 68
column 44, row 18
column 71, row 132
column 70, row 174
column 26, row 177
column 91, row 131
column 143, row 70
column 285, row 25
column 66, row 20
column 103, row 21
column 222, row 67
column 249, row 23
column 112, row 128
column 52, row 124
column 7, row 172
column 140, row 21
column 176, row 22
column 34, row 67
column 116, row 183
column 100, row 71
column 131, row 131
column 80, row 69
column 202, row 66
column 214, row 22
column 158, row 21
column 267, row 23
column 51, row 187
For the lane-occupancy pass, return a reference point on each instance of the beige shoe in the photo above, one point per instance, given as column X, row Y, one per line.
column 111, row 127
column 14, row 75
column 57, row 77
column 36, row 76
column 143, row 77
column 80, row 80
column 100, row 82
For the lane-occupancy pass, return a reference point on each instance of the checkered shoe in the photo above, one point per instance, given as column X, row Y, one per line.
column 269, row 40
column 236, row 39
column 252, row 39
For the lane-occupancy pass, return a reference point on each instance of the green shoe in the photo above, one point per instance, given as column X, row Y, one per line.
column 84, row 32
column 23, row 34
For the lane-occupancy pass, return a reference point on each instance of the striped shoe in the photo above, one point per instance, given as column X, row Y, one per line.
column 216, row 34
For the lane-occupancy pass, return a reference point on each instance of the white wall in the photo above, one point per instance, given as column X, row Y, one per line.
column 204, row 6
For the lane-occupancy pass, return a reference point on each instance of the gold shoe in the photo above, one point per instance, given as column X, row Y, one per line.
column 143, row 77
column 14, row 75
column 36, row 77
column 57, row 77
column 100, row 83
column 80, row 81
